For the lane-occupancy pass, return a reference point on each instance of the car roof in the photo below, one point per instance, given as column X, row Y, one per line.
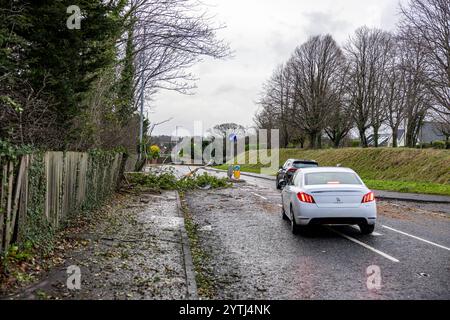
column 326, row 169
column 302, row 160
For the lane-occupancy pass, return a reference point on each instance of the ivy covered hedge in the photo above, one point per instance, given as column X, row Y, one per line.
column 36, row 228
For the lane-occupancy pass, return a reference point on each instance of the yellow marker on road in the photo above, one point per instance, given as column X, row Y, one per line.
column 237, row 172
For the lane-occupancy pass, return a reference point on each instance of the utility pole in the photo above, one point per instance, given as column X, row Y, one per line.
column 141, row 122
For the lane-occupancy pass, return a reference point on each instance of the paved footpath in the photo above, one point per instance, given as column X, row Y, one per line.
column 139, row 250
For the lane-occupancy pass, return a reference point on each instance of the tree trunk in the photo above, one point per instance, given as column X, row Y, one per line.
column 302, row 142
column 411, row 138
column 375, row 136
column 410, row 143
column 337, row 140
column 286, row 136
column 394, row 138
column 312, row 140
column 362, row 137
column 319, row 140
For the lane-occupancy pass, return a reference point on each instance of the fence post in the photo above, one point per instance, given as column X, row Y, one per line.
column 23, row 207
column 9, row 205
column 3, row 202
column 19, row 183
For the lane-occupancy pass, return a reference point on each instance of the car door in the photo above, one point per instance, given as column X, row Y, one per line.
column 285, row 199
column 287, row 195
column 296, row 185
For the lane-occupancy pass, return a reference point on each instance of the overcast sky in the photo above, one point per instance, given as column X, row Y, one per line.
column 262, row 34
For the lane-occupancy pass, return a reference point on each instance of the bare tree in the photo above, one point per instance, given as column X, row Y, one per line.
column 429, row 21
column 224, row 129
column 26, row 116
column 395, row 94
column 265, row 116
column 442, row 121
column 381, row 102
column 170, row 36
column 277, row 97
column 368, row 52
column 417, row 99
column 341, row 120
column 314, row 66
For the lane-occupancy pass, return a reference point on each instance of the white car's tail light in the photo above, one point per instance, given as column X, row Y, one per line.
column 369, row 197
column 304, row 197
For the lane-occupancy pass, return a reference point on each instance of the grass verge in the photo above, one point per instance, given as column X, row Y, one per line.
column 424, row 171
column 387, row 185
column 409, row 187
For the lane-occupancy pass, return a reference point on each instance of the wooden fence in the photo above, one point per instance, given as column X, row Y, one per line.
column 130, row 165
column 54, row 186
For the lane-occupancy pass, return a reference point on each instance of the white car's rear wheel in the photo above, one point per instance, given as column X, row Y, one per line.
column 367, row 228
column 283, row 214
column 295, row 228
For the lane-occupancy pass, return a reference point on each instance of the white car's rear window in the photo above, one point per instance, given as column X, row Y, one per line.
column 320, row 178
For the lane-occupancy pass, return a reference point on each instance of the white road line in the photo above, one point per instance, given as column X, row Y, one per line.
column 421, row 239
column 259, row 196
column 365, row 245
column 376, row 234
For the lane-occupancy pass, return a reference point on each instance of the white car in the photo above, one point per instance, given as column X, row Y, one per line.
column 328, row 195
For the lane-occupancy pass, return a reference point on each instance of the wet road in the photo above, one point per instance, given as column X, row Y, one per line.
column 253, row 255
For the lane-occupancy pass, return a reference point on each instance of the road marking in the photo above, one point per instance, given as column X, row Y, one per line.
column 365, row 245
column 421, row 239
column 259, row 196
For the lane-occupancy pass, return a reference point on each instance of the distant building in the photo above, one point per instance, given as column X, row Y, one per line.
column 383, row 139
column 401, row 138
column 429, row 133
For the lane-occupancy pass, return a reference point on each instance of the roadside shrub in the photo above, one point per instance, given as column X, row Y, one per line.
column 154, row 152
column 355, row 143
column 424, row 145
column 19, row 254
column 9, row 151
column 439, row 145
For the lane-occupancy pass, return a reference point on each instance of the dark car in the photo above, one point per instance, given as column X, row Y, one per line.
column 291, row 166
